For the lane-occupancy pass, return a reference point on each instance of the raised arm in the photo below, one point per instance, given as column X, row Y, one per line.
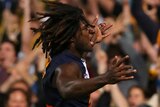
column 26, row 32
column 70, row 83
column 118, row 97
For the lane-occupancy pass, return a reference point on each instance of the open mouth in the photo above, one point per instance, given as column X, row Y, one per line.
column 92, row 43
column 91, row 39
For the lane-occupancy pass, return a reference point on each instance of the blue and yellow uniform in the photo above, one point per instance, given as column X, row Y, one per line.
column 53, row 97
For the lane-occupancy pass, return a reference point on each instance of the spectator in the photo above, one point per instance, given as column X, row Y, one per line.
column 8, row 57
column 17, row 98
column 137, row 97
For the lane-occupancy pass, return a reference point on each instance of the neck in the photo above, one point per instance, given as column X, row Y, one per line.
column 76, row 52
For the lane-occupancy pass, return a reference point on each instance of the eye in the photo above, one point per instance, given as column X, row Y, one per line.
column 85, row 27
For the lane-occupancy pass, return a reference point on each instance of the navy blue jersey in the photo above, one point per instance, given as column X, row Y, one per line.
column 53, row 97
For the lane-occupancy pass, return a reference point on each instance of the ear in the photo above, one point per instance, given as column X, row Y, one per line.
column 76, row 37
column 72, row 42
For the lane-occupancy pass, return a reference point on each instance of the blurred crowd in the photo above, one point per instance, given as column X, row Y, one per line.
column 135, row 32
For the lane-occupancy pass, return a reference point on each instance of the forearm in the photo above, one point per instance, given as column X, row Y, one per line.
column 23, row 70
column 30, row 79
column 70, row 84
column 82, row 87
column 6, row 85
column 26, row 32
column 117, row 97
column 30, row 56
column 151, row 52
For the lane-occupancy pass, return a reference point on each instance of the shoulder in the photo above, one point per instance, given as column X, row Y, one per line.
column 66, row 72
column 68, row 69
column 68, row 66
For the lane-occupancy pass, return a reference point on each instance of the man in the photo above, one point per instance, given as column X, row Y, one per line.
column 67, row 35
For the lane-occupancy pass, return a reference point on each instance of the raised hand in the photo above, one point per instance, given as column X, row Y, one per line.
column 118, row 71
column 101, row 31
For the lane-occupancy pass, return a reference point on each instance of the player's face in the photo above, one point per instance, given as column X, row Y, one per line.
column 83, row 42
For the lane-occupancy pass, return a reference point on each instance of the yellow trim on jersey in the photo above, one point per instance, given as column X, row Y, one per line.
column 158, row 38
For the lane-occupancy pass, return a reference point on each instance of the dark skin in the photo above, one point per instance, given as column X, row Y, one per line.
column 68, row 78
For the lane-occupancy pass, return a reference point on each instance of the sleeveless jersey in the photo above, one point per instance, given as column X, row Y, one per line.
column 53, row 97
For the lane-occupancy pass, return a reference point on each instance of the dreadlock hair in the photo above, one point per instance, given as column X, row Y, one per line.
column 62, row 24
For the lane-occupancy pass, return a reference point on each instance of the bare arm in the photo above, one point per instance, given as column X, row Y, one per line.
column 70, row 83
column 151, row 52
column 23, row 65
column 118, row 97
column 6, row 85
column 26, row 32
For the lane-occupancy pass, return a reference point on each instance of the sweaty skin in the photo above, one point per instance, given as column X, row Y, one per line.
column 71, row 84
column 68, row 78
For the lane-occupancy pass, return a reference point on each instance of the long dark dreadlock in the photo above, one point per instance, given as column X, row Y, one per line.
column 62, row 24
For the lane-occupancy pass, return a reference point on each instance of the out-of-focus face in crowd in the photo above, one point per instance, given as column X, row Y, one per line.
column 13, row 23
column 136, row 97
column 20, row 84
column 17, row 99
column 7, row 54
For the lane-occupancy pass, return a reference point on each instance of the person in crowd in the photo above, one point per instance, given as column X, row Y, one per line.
column 17, row 98
column 137, row 97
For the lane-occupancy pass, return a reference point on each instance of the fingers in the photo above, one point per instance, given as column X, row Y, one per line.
column 121, row 61
column 125, row 67
column 114, row 60
column 105, row 28
column 125, row 78
column 95, row 20
column 121, row 76
column 125, row 73
column 100, row 26
column 118, row 71
column 103, row 37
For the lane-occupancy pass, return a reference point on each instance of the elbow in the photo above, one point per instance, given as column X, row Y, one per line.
column 69, row 92
column 66, row 95
column 66, row 92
